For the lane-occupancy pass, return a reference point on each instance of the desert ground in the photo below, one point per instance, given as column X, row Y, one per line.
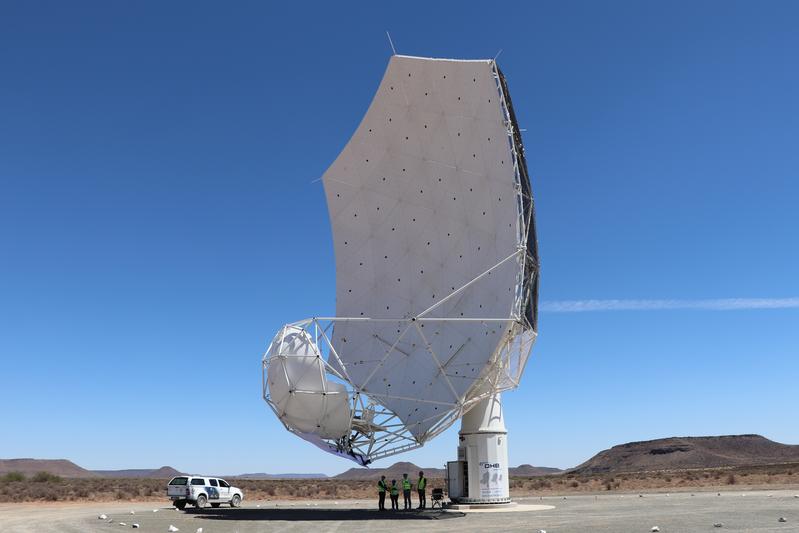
column 741, row 498
column 755, row 511
column 46, row 487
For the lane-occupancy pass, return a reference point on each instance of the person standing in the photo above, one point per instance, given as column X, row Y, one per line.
column 394, row 495
column 381, row 494
column 406, row 491
column 421, row 485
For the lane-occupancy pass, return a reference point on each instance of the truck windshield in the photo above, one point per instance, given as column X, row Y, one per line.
column 179, row 481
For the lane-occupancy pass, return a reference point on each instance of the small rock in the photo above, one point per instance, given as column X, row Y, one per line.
column 782, row 519
column 655, row 529
column 172, row 528
column 718, row 494
column 122, row 524
column 542, row 531
column 102, row 517
column 718, row 524
column 133, row 512
column 135, row 526
column 640, row 495
column 199, row 530
column 155, row 510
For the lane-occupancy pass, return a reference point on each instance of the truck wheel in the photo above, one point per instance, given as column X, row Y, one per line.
column 215, row 505
column 180, row 504
column 235, row 501
column 201, row 501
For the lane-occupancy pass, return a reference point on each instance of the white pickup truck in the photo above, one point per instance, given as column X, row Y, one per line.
column 202, row 490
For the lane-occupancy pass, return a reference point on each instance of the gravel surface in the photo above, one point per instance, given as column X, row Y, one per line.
column 737, row 511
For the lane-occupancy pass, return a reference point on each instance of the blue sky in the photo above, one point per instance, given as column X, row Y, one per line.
column 159, row 220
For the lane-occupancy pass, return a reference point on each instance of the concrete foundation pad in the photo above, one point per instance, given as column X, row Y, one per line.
column 511, row 507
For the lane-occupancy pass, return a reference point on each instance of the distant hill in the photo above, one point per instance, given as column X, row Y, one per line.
column 262, row 475
column 59, row 467
column 675, row 453
column 678, row 453
column 530, row 470
column 165, row 472
column 394, row 471
column 64, row 468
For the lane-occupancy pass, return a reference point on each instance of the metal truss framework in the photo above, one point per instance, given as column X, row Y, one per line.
column 375, row 431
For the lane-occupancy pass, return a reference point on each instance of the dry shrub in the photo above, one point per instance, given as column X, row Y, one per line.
column 12, row 477
column 44, row 477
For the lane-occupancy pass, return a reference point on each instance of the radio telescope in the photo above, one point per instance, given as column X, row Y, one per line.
column 436, row 280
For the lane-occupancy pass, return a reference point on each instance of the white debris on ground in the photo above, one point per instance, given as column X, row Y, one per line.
column 199, row 530
column 655, row 529
column 172, row 528
column 102, row 517
column 122, row 524
column 155, row 510
column 542, row 531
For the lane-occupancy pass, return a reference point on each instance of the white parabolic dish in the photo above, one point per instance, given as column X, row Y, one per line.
column 436, row 268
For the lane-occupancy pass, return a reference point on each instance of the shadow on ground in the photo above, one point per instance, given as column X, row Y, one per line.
column 299, row 514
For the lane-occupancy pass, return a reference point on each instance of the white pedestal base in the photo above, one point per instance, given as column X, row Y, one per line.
column 480, row 475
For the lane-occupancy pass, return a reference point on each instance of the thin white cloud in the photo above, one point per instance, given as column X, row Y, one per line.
column 722, row 304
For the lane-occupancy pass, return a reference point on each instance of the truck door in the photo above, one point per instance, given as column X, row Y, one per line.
column 224, row 490
column 213, row 491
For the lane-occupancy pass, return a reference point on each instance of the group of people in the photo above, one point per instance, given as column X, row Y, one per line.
column 393, row 491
